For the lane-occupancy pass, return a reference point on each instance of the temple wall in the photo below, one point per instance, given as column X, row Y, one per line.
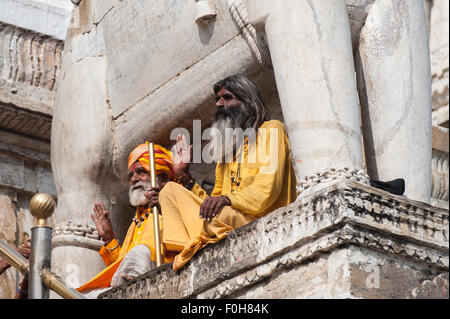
column 118, row 86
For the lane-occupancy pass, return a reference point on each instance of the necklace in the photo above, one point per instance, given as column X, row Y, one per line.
column 238, row 173
column 236, row 179
column 139, row 221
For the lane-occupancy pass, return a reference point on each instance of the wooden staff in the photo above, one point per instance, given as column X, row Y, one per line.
column 151, row 153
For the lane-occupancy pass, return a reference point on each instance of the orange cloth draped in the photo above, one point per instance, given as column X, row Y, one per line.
column 113, row 257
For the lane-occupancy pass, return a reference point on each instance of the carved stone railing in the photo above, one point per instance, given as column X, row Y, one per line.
column 329, row 244
column 439, row 167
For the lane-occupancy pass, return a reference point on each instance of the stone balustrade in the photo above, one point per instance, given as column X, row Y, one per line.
column 346, row 240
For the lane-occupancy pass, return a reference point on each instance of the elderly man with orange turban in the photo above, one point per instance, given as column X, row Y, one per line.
column 136, row 255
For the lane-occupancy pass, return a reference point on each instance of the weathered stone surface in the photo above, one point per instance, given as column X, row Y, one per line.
column 439, row 167
column 318, row 34
column 30, row 124
column 394, row 36
column 29, row 57
column 346, row 240
column 432, row 289
column 26, row 171
column 49, row 17
column 8, row 234
column 439, row 51
column 132, row 75
column 29, row 65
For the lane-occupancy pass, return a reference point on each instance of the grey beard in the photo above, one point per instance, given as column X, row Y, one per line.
column 136, row 194
column 223, row 145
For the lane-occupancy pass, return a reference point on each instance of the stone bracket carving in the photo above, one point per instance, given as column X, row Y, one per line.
column 70, row 234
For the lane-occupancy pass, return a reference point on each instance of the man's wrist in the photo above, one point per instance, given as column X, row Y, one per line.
column 108, row 239
column 228, row 200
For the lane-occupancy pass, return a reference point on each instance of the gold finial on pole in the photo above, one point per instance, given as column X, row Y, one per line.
column 151, row 153
column 42, row 207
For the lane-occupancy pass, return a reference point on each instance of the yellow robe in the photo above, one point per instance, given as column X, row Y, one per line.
column 112, row 254
column 263, row 187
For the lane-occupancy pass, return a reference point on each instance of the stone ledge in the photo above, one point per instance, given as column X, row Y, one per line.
column 337, row 216
column 26, row 123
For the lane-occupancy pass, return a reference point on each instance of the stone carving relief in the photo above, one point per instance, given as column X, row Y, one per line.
column 76, row 234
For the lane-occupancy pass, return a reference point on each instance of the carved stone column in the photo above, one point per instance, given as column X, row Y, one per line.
column 311, row 50
column 439, row 50
column 394, row 80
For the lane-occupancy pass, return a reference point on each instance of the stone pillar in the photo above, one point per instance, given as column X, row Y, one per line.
column 80, row 181
column 439, row 51
column 311, row 50
column 394, row 80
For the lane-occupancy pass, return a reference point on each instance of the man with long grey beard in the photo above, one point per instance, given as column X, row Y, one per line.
column 254, row 174
column 136, row 255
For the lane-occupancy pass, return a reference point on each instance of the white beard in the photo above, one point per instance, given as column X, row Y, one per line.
column 136, row 194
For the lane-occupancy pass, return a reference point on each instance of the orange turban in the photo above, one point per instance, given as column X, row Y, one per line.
column 163, row 160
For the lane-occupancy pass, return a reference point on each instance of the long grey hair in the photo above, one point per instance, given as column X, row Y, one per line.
column 248, row 92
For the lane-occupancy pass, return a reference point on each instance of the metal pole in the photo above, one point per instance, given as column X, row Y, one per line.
column 41, row 245
column 41, row 207
column 49, row 279
column 151, row 153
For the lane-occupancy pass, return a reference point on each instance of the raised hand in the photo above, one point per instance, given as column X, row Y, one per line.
column 102, row 222
column 182, row 156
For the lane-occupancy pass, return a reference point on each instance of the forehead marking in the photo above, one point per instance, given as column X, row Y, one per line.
column 222, row 89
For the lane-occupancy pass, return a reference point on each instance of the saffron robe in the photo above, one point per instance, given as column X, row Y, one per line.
column 266, row 182
column 113, row 254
